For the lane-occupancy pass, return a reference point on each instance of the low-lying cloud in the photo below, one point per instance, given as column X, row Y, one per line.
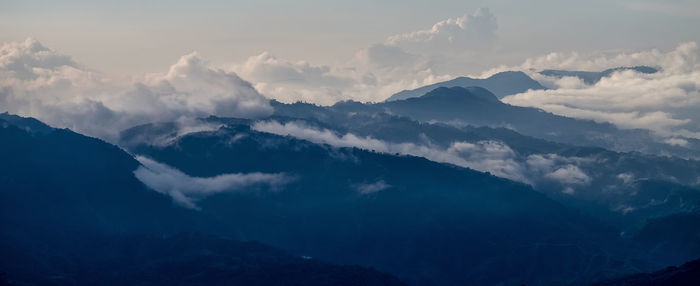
column 366, row 189
column 186, row 190
column 487, row 156
column 490, row 156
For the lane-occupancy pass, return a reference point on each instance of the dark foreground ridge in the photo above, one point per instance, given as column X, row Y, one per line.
column 687, row 274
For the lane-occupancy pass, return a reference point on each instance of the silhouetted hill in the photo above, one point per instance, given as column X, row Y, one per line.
column 191, row 259
column 687, row 274
column 426, row 222
column 72, row 213
column 668, row 182
column 501, row 84
column 589, row 77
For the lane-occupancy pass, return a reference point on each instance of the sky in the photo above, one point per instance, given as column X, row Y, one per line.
column 130, row 37
column 100, row 66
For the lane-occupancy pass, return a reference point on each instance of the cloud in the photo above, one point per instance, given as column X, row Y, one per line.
column 453, row 35
column 403, row 61
column 564, row 170
column 186, row 190
column 366, row 189
column 486, row 156
column 571, row 175
column 676, row 142
column 665, row 102
column 39, row 82
column 373, row 74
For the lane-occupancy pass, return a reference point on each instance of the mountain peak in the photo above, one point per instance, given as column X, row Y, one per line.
column 462, row 94
column 28, row 124
column 501, row 84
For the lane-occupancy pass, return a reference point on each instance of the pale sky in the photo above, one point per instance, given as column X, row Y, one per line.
column 130, row 37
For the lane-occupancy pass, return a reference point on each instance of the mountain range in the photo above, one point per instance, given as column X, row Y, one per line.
column 443, row 185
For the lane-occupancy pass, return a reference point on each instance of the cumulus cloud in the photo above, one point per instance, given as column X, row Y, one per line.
column 186, row 190
column 570, row 174
column 366, row 189
column 676, row 142
column 564, row 170
column 453, row 35
column 372, row 74
column 665, row 102
column 404, row 61
column 40, row 82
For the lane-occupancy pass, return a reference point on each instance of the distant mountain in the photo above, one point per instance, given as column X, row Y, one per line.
column 426, row 222
column 501, row 84
column 669, row 182
column 589, row 77
column 72, row 213
column 687, row 274
column 478, row 107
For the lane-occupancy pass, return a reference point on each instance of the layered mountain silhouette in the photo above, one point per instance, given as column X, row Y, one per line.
column 470, row 191
column 478, row 107
column 501, row 84
column 613, row 176
column 72, row 213
column 426, row 222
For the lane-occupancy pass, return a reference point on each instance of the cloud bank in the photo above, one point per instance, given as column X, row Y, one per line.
column 186, row 190
column 404, row 61
column 666, row 101
column 39, row 82
column 486, row 156
column 490, row 156
column 366, row 189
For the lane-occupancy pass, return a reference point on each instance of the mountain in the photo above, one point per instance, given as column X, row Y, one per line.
column 73, row 213
column 621, row 188
column 425, row 222
column 478, row 107
column 192, row 259
column 589, row 77
column 687, row 274
column 501, row 84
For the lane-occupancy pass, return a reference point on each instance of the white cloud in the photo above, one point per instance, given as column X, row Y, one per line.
column 564, row 170
column 570, row 174
column 373, row 74
column 627, row 178
column 453, row 35
column 39, row 82
column 186, row 190
column 366, row 189
column 665, row 102
column 676, row 142
column 404, row 61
